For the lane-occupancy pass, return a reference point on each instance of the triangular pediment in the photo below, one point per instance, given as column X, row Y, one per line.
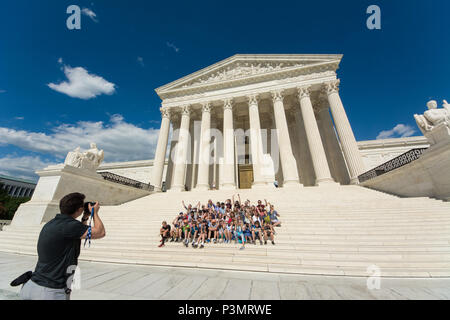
column 247, row 68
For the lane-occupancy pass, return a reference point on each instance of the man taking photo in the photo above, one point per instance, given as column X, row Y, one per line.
column 59, row 248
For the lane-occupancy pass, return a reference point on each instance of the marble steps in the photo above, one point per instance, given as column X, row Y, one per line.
column 329, row 231
column 337, row 208
column 182, row 258
column 311, row 204
column 351, row 212
column 297, row 235
column 427, row 245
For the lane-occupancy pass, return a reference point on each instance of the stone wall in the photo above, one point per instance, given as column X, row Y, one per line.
column 429, row 176
column 377, row 152
column 57, row 181
column 136, row 170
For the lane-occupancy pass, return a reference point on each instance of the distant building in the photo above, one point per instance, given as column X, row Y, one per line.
column 17, row 187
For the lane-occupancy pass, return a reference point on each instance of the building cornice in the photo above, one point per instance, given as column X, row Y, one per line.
column 394, row 142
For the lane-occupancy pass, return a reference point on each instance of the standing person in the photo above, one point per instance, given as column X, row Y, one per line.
column 164, row 232
column 59, row 248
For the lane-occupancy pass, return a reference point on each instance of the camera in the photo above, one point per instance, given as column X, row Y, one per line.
column 86, row 207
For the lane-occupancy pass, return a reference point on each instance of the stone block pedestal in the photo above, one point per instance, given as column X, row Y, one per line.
column 57, row 181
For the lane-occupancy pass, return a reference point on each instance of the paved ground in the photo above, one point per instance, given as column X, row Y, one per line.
column 111, row 281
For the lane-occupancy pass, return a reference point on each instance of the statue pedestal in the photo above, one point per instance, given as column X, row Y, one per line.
column 57, row 181
column 439, row 135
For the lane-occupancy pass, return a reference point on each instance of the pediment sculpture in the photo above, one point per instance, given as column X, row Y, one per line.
column 90, row 159
column 242, row 70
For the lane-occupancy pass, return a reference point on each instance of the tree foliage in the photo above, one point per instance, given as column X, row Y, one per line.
column 9, row 205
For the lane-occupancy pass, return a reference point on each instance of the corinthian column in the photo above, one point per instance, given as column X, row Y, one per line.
column 347, row 138
column 228, row 181
column 256, row 141
column 181, row 154
column 205, row 149
column 160, row 154
column 288, row 164
column 316, row 148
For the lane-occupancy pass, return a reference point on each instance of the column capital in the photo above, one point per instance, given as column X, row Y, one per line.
column 331, row 86
column 228, row 104
column 253, row 99
column 186, row 110
column 304, row 92
column 165, row 113
column 277, row 95
column 206, row 107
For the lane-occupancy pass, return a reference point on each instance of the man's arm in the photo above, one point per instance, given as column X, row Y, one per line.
column 98, row 230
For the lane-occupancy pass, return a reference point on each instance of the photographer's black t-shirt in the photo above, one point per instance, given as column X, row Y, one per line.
column 58, row 248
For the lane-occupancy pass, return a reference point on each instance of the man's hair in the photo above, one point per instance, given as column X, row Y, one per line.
column 71, row 203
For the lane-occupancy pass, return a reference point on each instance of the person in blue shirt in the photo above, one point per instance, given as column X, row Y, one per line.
column 274, row 216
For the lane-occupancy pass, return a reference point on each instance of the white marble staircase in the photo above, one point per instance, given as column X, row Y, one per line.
column 333, row 230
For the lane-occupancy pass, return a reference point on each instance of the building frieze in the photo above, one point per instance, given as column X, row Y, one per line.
column 200, row 96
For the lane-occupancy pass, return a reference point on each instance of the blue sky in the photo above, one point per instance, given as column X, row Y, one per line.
column 136, row 46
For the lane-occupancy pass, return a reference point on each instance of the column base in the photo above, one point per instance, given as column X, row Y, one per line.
column 291, row 184
column 227, row 186
column 354, row 181
column 176, row 189
column 288, row 183
column 326, row 182
column 263, row 185
column 202, row 187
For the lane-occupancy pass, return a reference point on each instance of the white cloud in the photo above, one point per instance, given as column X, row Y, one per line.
column 140, row 60
column 91, row 14
column 19, row 118
column 171, row 45
column 2, row 91
column 399, row 131
column 22, row 167
column 82, row 85
column 121, row 141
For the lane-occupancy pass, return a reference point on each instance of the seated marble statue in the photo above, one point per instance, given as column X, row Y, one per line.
column 433, row 116
column 91, row 159
column 94, row 155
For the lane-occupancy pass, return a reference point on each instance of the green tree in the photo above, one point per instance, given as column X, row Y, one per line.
column 9, row 205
